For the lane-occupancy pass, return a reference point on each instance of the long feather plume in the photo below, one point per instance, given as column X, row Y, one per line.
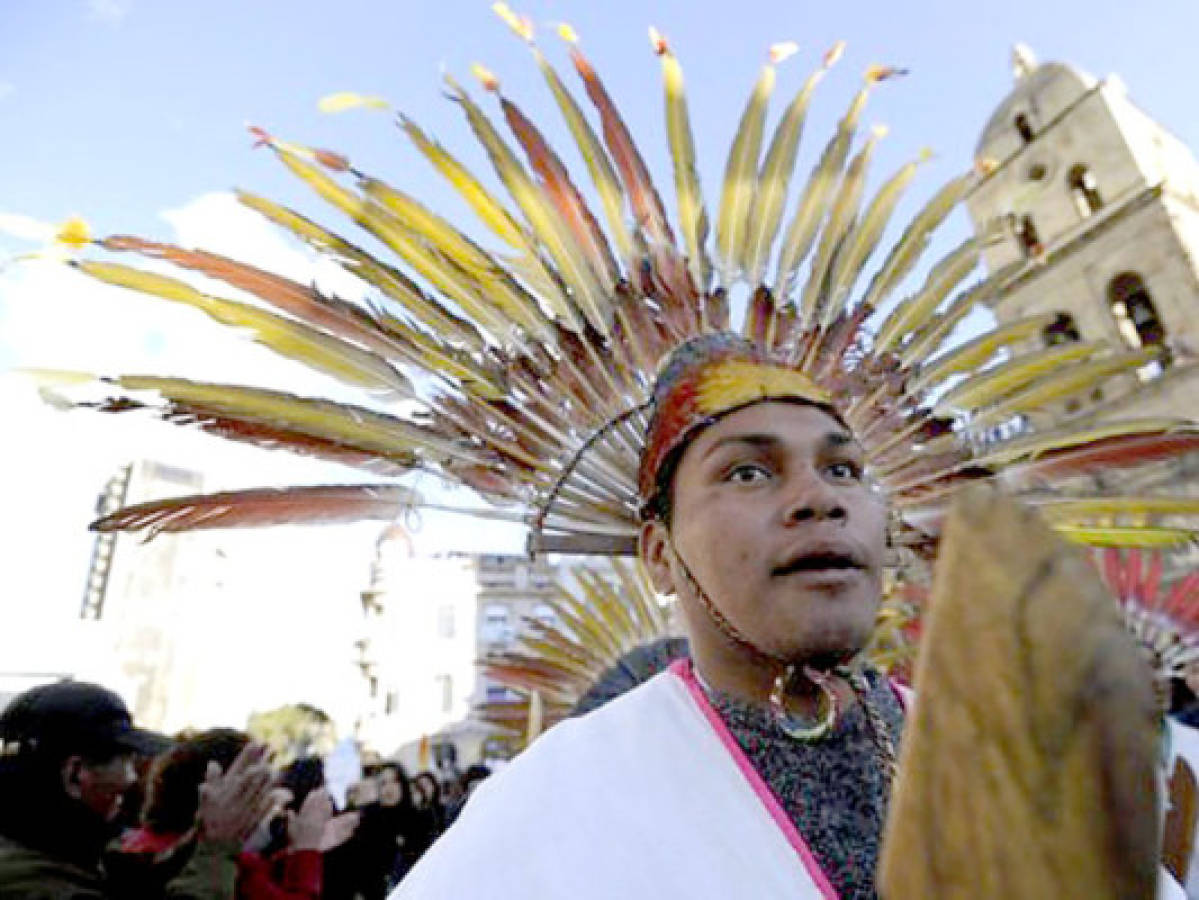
column 323, row 505
column 774, row 180
column 693, row 216
column 741, row 172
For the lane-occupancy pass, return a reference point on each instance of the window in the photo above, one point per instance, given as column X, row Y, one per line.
column 1026, row 234
column 445, row 687
column 1061, row 330
column 1023, row 128
column 496, row 623
column 1136, row 318
column 445, row 621
column 496, row 693
column 1084, row 190
column 391, row 703
column 544, row 613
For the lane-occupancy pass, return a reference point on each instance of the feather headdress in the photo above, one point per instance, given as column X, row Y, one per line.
column 525, row 374
column 1161, row 612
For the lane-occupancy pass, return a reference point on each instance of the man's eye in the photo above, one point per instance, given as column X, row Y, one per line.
column 845, row 471
column 747, row 473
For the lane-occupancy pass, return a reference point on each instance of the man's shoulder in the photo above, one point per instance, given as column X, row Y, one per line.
column 615, row 732
column 29, row 874
column 554, row 807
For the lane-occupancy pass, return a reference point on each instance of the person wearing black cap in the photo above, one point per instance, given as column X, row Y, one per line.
column 66, row 758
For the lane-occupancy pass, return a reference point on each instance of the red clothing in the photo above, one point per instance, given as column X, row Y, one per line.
column 295, row 875
column 143, row 840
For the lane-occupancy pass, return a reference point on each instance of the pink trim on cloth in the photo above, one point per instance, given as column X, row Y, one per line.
column 683, row 670
column 903, row 694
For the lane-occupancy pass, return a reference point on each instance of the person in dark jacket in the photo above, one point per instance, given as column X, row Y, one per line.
column 430, row 815
column 66, row 752
column 390, row 827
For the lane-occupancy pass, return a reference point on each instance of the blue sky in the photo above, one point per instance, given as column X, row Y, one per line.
column 117, row 109
column 131, row 113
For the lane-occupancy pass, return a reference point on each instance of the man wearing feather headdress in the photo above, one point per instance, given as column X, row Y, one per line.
column 766, row 760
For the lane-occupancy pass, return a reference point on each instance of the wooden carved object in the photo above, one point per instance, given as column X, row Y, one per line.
column 1027, row 766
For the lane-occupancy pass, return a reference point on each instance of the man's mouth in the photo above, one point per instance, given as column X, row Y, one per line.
column 820, row 561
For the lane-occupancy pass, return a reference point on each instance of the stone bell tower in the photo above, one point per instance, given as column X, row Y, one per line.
column 1099, row 206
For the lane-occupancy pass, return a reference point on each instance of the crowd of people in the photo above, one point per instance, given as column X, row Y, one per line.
column 92, row 807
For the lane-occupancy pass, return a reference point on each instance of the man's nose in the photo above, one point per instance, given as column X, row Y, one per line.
column 812, row 499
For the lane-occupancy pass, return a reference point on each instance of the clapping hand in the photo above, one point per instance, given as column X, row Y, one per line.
column 339, row 829
column 232, row 803
column 306, row 828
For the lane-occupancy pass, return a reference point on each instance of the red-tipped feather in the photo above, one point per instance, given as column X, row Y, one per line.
column 647, row 204
column 1132, row 586
column 252, row 508
column 562, row 192
column 1113, row 452
column 668, row 274
column 1152, row 582
column 305, row 303
column 1183, row 597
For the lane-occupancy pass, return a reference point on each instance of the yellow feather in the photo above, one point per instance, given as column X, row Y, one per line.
column 844, row 210
column 693, row 217
column 391, row 282
column 74, row 232
column 986, row 387
column 285, row 336
column 775, row 178
column 914, row 312
column 1060, row 385
column 344, row 100
column 915, row 238
column 740, row 179
column 1039, row 444
column 542, row 218
column 973, row 354
column 500, row 289
column 603, row 175
column 1144, row 538
column 1076, row 510
column 489, row 210
column 353, row 426
column 813, row 203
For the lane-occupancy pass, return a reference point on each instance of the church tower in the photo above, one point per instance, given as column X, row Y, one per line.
column 1099, row 207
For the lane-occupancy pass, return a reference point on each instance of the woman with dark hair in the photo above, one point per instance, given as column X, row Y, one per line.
column 471, row 779
column 374, row 859
column 430, row 814
column 390, row 832
column 171, row 794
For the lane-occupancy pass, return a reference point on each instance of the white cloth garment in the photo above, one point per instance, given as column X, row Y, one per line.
column 648, row 796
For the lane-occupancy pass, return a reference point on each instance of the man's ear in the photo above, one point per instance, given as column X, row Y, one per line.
column 653, row 545
column 72, row 776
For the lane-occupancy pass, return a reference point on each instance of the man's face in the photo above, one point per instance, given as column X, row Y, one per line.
column 99, row 785
column 773, row 517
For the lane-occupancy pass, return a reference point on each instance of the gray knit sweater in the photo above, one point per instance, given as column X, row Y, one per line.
column 833, row 790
